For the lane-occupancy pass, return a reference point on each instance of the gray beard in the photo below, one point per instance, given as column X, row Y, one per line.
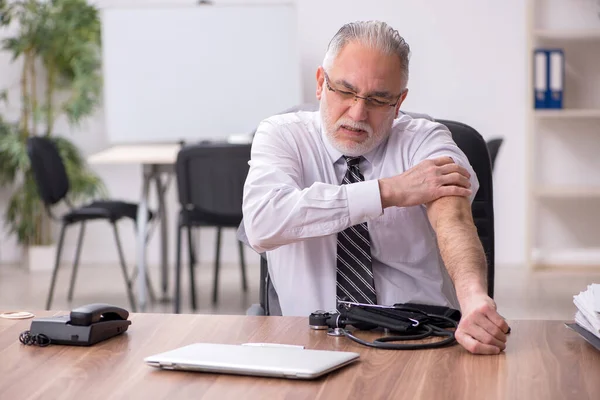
column 355, row 149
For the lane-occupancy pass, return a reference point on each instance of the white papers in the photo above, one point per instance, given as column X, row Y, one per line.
column 588, row 309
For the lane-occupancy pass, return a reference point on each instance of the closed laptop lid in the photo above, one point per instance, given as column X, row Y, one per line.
column 284, row 362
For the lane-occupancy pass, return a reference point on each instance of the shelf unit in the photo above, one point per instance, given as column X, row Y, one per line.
column 563, row 152
column 568, row 113
column 567, row 34
column 566, row 192
column 574, row 258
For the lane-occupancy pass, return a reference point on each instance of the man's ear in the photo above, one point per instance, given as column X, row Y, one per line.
column 402, row 98
column 320, row 81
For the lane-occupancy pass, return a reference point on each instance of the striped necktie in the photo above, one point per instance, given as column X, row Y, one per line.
column 354, row 271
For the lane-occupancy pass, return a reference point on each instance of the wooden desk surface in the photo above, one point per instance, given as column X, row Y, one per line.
column 543, row 360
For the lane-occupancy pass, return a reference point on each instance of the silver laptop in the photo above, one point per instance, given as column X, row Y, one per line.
column 283, row 362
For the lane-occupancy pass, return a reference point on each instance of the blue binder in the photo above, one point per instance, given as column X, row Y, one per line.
column 556, row 78
column 541, row 95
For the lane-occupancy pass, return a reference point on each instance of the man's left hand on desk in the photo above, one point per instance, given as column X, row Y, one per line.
column 481, row 330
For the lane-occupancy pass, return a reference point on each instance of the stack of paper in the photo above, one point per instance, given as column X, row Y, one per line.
column 588, row 309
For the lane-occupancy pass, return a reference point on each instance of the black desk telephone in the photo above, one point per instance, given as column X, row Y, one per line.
column 85, row 326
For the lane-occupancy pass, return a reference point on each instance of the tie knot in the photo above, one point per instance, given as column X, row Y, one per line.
column 352, row 161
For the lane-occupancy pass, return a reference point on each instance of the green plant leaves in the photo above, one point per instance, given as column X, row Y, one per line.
column 25, row 214
column 6, row 11
column 64, row 37
column 13, row 155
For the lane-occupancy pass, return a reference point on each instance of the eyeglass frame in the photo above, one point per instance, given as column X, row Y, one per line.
column 368, row 99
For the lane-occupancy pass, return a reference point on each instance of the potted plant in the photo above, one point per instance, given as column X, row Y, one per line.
column 58, row 43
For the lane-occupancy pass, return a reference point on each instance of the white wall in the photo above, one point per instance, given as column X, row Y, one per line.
column 482, row 84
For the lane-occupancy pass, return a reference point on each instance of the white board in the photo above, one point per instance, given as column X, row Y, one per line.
column 194, row 73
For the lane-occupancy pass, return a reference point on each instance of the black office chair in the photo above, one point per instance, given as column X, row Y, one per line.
column 53, row 186
column 210, row 181
column 474, row 147
column 493, row 146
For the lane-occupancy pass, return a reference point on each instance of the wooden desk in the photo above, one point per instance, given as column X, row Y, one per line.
column 544, row 360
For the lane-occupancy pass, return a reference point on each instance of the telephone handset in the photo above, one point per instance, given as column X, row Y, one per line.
column 93, row 313
column 84, row 326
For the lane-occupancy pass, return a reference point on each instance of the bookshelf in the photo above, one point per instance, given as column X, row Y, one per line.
column 563, row 176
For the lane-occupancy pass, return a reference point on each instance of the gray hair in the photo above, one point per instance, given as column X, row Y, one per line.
column 374, row 34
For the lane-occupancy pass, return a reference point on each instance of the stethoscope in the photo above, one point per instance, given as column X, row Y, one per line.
column 406, row 323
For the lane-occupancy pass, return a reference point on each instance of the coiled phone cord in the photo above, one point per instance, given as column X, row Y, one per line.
column 31, row 340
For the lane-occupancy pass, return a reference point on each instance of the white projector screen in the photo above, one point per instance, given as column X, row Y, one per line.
column 195, row 73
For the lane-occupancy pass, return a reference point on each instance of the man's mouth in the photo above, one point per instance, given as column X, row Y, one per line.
column 351, row 129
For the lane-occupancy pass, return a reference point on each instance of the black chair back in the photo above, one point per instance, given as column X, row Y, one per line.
column 210, row 178
column 475, row 148
column 493, row 148
column 48, row 169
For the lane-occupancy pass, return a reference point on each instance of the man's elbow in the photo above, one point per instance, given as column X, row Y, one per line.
column 258, row 244
column 260, row 238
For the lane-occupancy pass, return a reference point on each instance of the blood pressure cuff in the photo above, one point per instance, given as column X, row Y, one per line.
column 402, row 318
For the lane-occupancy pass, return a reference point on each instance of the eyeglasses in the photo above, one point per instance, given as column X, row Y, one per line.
column 371, row 103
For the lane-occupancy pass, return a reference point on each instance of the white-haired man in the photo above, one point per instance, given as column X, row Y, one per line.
column 357, row 202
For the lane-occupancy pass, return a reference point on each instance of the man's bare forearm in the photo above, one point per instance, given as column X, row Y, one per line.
column 481, row 329
column 459, row 245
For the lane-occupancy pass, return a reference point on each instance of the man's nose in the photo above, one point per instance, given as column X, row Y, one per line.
column 358, row 110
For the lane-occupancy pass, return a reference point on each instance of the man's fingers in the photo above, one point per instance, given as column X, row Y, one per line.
column 455, row 179
column 475, row 346
column 481, row 335
column 450, row 168
column 451, row 190
column 497, row 320
column 491, row 328
column 443, row 161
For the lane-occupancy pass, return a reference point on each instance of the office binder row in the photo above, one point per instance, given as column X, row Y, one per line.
column 549, row 78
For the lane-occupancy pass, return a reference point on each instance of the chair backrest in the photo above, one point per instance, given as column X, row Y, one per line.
column 48, row 169
column 493, row 146
column 475, row 148
column 210, row 180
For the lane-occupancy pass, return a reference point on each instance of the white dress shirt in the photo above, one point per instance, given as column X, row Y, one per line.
column 294, row 206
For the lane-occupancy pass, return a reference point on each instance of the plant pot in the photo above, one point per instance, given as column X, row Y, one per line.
column 41, row 258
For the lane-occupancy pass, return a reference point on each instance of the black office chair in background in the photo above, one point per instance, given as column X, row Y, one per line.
column 475, row 148
column 210, row 181
column 53, row 186
column 493, row 146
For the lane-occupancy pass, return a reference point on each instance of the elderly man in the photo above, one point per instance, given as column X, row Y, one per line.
column 358, row 202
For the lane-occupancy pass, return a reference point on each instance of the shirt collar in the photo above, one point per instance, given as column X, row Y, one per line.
column 335, row 154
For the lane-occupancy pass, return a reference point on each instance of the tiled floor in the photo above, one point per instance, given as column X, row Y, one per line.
column 519, row 294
